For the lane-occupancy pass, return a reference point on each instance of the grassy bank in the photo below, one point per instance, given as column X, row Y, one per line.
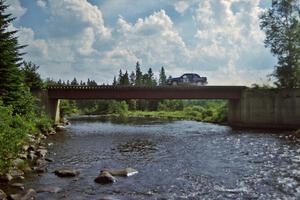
column 215, row 114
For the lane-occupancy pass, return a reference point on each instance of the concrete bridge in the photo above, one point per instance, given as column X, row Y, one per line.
column 247, row 107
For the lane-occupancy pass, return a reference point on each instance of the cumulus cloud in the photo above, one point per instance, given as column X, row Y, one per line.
column 181, row 6
column 230, row 40
column 41, row 3
column 227, row 45
column 16, row 9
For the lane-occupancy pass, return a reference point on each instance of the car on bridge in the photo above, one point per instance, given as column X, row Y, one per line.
column 188, row 79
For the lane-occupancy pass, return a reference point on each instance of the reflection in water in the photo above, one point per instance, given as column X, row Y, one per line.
column 175, row 160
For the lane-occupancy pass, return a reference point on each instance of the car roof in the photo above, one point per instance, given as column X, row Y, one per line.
column 191, row 74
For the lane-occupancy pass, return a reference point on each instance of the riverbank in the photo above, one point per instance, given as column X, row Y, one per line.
column 187, row 114
column 31, row 159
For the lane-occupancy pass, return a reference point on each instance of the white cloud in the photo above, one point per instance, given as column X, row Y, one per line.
column 231, row 41
column 41, row 3
column 15, row 8
column 228, row 46
column 181, row 6
column 67, row 17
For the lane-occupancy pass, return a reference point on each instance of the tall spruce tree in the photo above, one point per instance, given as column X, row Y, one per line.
column 11, row 79
column 281, row 24
column 138, row 75
column 162, row 77
column 13, row 91
column 31, row 77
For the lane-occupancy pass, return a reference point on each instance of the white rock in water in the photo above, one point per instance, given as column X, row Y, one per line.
column 122, row 172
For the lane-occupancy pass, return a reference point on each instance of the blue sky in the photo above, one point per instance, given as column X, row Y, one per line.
column 93, row 39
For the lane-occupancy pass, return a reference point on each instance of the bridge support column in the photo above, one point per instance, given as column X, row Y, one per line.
column 266, row 109
column 53, row 110
column 234, row 111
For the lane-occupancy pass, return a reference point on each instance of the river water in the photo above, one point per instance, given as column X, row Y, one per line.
column 175, row 160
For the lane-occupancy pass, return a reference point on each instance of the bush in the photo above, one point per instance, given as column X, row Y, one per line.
column 120, row 108
column 43, row 123
column 13, row 131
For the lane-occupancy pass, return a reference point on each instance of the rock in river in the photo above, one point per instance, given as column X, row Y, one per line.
column 121, row 172
column 50, row 189
column 2, row 195
column 105, row 178
column 66, row 172
column 28, row 195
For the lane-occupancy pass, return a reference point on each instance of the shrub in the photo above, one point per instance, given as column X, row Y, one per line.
column 13, row 131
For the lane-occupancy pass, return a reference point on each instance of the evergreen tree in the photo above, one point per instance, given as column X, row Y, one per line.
column 138, row 75
column 132, row 78
column 115, row 81
column 31, row 77
column 125, row 79
column 162, row 77
column 120, row 77
column 11, row 79
column 60, row 82
column 150, row 78
column 281, row 24
column 74, row 82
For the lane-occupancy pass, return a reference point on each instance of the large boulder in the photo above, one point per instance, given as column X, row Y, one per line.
column 121, row 172
column 2, row 195
column 19, row 186
column 60, row 128
column 5, row 178
column 105, row 178
column 28, row 195
column 66, row 172
column 41, row 152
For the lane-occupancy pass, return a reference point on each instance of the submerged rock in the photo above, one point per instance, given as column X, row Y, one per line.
column 49, row 159
column 105, row 178
column 41, row 152
column 66, row 172
column 5, row 178
column 49, row 189
column 19, row 186
column 121, row 172
column 108, row 198
column 2, row 195
column 60, row 128
column 28, row 195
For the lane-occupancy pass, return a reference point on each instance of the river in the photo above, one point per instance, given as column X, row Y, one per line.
column 175, row 160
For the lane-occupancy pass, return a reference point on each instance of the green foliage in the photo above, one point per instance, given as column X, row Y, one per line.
column 118, row 107
column 32, row 78
column 11, row 79
column 282, row 27
column 208, row 111
column 170, row 105
column 13, row 130
column 162, row 77
column 43, row 123
column 67, row 108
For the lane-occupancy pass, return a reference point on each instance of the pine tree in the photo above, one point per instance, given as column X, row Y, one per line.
column 162, row 77
column 132, row 78
column 11, row 79
column 115, row 81
column 125, row 79
column 74, row 82
column 138, row 75
column 31, row 77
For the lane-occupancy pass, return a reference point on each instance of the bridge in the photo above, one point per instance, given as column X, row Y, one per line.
column 247, row 107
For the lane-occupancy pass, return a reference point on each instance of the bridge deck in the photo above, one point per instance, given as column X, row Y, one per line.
column 121, row 92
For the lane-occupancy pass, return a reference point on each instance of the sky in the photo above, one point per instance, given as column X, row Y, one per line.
column 219, row 39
